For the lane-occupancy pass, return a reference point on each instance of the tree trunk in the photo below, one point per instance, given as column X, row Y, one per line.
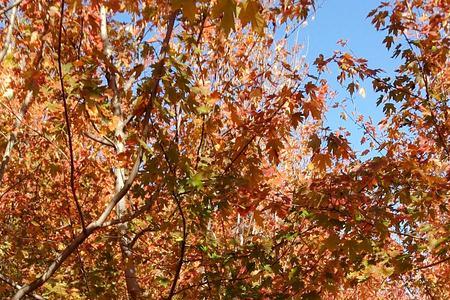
column 132, row 283
column 127, row 255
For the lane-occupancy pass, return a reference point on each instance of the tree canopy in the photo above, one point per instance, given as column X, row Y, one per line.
column 177, row 149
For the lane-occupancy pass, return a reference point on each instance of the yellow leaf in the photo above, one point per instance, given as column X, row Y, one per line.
column 9, row 93
column 114, row 122
column 92, row 110
column 226, row 10
column 34, row 36
column 249, row 13
column 362, row 92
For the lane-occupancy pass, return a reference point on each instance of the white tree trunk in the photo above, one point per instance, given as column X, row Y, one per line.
column 121, row 209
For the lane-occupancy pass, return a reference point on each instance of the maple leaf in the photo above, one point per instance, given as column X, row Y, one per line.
column 192, row 131
column 250, row 13
column 226, row 10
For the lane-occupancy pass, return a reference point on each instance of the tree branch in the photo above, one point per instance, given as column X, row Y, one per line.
column 100, row 140
column 94, row 226
column 135, row 214
column 434, row 264
column 66, row 117
column 12, row 6
column 182, row 248
column 12, row 139
column 15, row 285
column 138, row 235
column 83, row 235
column 8, row 38
column 132, row 284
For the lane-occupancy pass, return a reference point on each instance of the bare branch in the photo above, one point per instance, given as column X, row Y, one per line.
column 182, row 248
column 132, row 283
column 94, row 226
column 138, row 235
column 66, row 117
column 12, row 6
column 83, row 235
column 12, row 139
column 100, row 140
column 8, row 38
column 434, row 263
column 15, row 285
column 199, row 149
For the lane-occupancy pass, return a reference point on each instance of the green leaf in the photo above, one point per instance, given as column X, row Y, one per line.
column 66, row 68
column 196, row 181
column 203, row 109
column 293, row 272
column 163, row 281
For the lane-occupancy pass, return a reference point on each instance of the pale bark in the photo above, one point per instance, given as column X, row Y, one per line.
column 82, row 236
column 121, row 209
column 12, row 138
column 101, row 221
column 8, row 8
column 8, row 38
column 15, row 285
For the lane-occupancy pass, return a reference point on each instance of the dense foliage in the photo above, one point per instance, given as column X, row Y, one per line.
column 177, row 149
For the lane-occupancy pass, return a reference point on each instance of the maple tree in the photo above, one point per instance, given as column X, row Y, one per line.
column 178, row 149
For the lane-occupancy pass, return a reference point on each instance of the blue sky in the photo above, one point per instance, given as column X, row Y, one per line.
column 343, row 20
column 346, row 19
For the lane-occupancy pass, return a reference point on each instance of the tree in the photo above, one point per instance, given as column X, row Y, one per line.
column 177, row 149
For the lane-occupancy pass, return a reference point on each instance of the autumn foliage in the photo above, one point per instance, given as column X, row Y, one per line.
column 177, row 149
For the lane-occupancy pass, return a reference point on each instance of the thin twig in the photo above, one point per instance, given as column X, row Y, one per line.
column 95, row 225
column 441, row 137
column 182, row 248
column 8, row 8
column 100, row 140
column 66, row 117
column 15, row 285
column 434, row 263
column 136, row 213
column 138, row 235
